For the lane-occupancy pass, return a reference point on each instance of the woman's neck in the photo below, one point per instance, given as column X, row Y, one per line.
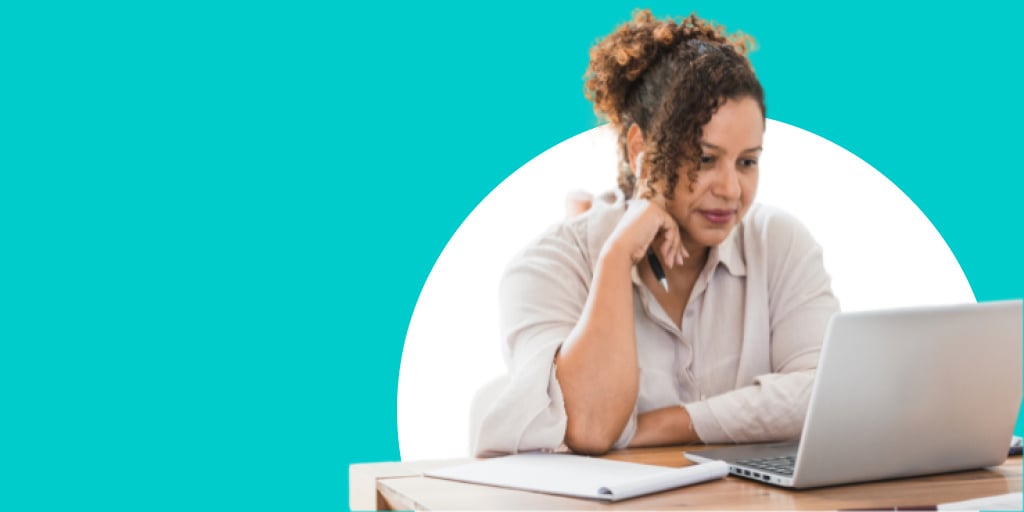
column 693, row 264
column 680, row 277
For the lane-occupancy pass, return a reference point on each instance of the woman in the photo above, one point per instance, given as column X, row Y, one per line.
column 601, row 354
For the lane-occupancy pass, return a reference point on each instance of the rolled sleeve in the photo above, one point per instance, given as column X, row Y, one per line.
column 771, row 410
column 541, row 297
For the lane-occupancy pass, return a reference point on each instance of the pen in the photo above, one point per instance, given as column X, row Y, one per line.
column 659, row 272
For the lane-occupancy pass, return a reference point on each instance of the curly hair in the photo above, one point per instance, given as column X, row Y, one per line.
column 668, row 77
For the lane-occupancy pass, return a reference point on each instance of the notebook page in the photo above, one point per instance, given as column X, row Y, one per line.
column 575, row 475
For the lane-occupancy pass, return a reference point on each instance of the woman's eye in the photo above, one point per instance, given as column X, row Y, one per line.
column 706, row 160
column 748, row 162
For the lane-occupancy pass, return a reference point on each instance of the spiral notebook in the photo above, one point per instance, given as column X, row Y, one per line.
column 579, row 476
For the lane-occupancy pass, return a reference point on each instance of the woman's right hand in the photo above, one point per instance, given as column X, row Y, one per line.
column 646, row 223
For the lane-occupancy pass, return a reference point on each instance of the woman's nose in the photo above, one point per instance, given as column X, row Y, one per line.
column 727, row 182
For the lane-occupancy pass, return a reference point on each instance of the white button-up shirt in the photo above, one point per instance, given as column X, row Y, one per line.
column 742, row 361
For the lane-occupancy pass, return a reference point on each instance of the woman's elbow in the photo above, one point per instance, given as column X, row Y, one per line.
column 588, row 441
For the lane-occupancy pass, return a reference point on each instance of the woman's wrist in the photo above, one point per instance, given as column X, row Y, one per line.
column 614, row 258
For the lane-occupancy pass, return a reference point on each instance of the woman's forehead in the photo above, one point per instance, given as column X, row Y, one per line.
column 736, row 125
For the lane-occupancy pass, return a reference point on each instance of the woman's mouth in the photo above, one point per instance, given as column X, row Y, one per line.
column 718, row 216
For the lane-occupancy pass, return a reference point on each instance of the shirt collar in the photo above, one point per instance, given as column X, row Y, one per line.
column 729, row 253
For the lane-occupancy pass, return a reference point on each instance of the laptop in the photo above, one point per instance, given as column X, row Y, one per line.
column 900, row 393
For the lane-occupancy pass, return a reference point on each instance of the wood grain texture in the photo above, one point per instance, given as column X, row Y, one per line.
column 401, row 486
column 364, row 479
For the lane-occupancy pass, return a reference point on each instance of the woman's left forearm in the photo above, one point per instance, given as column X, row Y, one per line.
column 662, row 427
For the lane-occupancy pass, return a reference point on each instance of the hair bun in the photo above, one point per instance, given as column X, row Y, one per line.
column 622, row 58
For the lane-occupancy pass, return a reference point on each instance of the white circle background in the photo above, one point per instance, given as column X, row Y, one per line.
column 878, row 246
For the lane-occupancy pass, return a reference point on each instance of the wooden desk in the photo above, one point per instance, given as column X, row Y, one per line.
column 402, row 486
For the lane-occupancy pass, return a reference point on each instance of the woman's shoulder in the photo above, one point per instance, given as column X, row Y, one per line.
column 777, row 241
column 773, row 225
column 578, row 239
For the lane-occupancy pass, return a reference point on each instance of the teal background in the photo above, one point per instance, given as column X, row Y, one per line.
column 216, row 218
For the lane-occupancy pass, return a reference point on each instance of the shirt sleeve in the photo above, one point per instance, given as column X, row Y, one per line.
column 541, row 297
column 541, row 294
column 800, row 303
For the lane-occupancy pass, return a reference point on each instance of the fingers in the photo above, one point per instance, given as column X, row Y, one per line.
column 665, row 239
column 610, row 196
column 577, row 202
column 671, row 242
column 647, row 224
column 672, row 250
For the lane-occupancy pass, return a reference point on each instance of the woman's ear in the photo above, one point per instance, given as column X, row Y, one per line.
column 635, row 147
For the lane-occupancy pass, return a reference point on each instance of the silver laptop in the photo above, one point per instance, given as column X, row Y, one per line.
column 900, row 393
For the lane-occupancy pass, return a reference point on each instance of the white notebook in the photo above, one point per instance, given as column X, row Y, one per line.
column 579, row 476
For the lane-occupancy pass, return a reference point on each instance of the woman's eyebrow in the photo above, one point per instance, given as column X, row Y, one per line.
column 716, row 148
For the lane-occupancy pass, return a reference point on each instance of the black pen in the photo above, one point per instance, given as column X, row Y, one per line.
column 659, row 272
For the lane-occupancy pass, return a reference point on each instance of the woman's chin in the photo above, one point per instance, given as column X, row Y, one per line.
column 711, row 237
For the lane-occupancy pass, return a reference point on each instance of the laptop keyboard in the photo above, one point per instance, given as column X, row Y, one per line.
column 779, row 465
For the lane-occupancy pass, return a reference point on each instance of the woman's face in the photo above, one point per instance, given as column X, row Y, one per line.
column 727, row 180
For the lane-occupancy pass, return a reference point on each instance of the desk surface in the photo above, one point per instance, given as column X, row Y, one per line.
column 402, row 486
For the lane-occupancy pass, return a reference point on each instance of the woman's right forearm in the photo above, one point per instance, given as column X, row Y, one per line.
column 597, row 365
